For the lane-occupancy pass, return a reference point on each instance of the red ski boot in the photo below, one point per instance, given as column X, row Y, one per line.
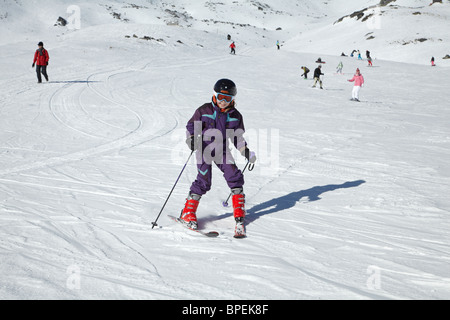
column 188, row 214
column 239, row 214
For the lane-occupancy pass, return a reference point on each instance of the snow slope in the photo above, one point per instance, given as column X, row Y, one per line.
column 409, row 31
column 348, row 200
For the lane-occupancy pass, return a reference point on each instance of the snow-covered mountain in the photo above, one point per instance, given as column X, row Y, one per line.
column 400, row 30
column 409, row 31
column 347, row 200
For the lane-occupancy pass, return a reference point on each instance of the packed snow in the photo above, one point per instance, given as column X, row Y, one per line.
column 348, row 200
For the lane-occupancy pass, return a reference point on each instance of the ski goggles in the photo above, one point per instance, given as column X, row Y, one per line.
column 224, row 97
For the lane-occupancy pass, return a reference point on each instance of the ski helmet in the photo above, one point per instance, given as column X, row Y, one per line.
column 225, row 86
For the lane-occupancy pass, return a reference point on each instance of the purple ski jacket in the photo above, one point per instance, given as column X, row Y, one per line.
column 212, row 123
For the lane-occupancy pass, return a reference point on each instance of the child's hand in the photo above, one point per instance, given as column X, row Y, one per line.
column 249, row 155
column 192, row 143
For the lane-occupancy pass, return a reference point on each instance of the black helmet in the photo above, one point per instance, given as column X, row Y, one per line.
column 225, row 86
column 41, row 44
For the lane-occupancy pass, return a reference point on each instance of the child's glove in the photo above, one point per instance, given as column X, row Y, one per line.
column 192, row 143
column 249, row 155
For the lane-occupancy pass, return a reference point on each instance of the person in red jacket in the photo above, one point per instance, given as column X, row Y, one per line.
column 233, row 48
column 41, row 58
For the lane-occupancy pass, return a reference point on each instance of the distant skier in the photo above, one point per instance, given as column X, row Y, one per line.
column 369, row 58
column 317, row 74
column 305, row 72
column 359, row 55
column 41, row 58
column 233, row 48
column 339, row 67
column 432, row 62
column 358, row 79
column 319, row 60
column 278, row 45
column 209, row 131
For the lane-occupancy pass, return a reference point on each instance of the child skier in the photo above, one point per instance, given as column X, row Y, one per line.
column 209, row 131
column 359, row 81
column 432, row 62
column 41, row 57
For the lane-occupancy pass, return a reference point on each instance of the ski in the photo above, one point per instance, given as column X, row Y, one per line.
column 210, row 234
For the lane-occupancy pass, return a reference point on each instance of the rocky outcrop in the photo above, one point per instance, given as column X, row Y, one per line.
column 365, row 13
column 61, row 22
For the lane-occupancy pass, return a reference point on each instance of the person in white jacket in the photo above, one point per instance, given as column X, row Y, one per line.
column 339, row 67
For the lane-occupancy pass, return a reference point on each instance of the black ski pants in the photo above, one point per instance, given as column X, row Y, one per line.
column 43, row 70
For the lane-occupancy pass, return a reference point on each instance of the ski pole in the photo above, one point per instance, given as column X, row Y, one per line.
column 250, row 168
column 179, row 176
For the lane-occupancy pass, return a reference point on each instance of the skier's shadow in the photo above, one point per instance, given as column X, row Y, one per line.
column 290, row 200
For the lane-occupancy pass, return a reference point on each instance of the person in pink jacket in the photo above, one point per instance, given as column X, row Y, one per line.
column 358, row 79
